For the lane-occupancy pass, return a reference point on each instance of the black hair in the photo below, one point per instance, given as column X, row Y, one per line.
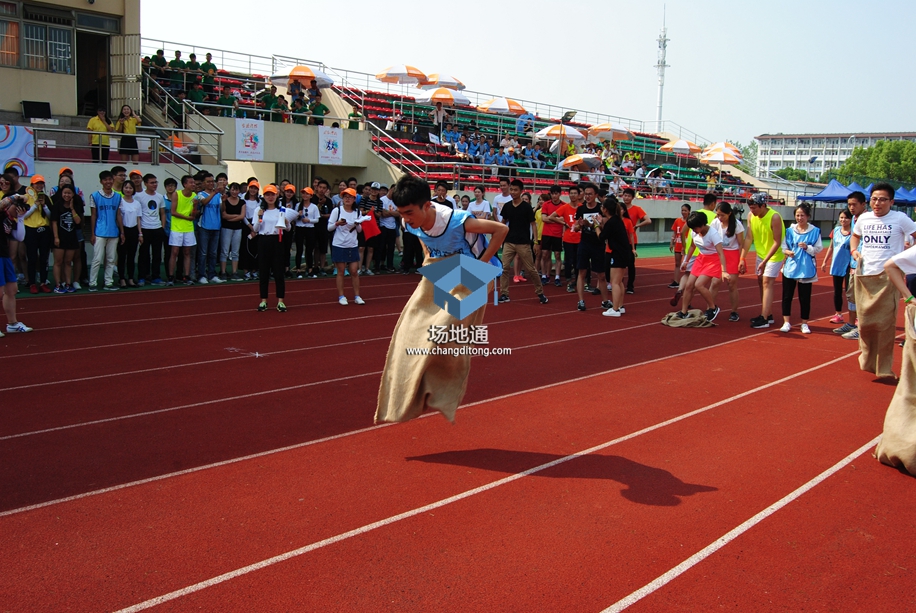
column 697, row 220
column 732, row 220
column 250, row 179
column 222, row 175
column 687, row 206
column 441, row 184
column 235, row 185
column 586, row 184
column 611, row 205
column 148, row 176
column 116, row 169
column 575, row 187
column 602, row 193
column 847, row 213
column 858, row 197
column 324, row 182
column 352, row 179
column 170, row 181
column 884, row 187
column 501, row 179
column 710, row 198
column 555, row 189
column 517, row 183
column 629, row 190
column 105, row 174
column 481, row 187
column 410, row 190
column 805, row 208
column 185, row 179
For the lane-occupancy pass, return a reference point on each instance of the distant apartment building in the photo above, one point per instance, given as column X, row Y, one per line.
column 815, row 153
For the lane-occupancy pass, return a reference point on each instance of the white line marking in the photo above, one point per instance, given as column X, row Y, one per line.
column 463, row 495
column 731, row 535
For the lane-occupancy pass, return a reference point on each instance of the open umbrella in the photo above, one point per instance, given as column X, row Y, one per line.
column 681, row 147
column 560, row 131
column 609, row 131
column 722, row 145
column 447, row 97
column 437, row 79
column 503, row 106
column 402, row 74
column 304, row 75
column 721, row 157
column 588, row 159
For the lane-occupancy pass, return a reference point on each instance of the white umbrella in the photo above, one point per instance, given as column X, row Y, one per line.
column 608, row 131
column 437, row 79
column 560, row 131
column 448, row 97
column 304, row 75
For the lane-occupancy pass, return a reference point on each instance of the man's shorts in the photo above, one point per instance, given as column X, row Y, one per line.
column 772, row 269
column 182, row 239
column 7, row 271
column 590, row 257
column 551, row 243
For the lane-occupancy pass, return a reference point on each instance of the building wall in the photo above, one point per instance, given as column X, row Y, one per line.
column 795, row 150
column 18, row 85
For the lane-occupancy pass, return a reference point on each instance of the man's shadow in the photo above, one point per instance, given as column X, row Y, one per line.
column 644, row 484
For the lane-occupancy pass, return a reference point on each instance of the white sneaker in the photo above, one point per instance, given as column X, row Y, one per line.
column 786, row 327
column 17, row 327
column 359, row 300
column 343, row 300
column 608, row 287
column 611, row 313
column 622, row 310
column 805, row 329
column 215, row 279
column 76, row 286
column 203, row 281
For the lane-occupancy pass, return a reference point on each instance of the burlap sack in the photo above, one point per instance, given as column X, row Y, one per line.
column 412, row 384
column 695, row 319
column 898, row 443
column 876, row 307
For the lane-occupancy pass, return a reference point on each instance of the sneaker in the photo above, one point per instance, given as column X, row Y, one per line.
column 543, row 279
column 681, row 315
column 17, row 328
column 847, row 327
column 712, row 313
column 504, row 298
column 299, row 276
column 542, row 298
column 611, row 313
column 366, row 271
column 342, row 300
column 607, row 304
column 281, row 307
column 111, row 288
column 33, row 288
column 608, row 287
column 215, row 279
column 45, row 288
column 623, row 310
column 359, row 300
column 836, row 319
column 517, row 279
column 770, row 319
column 594, row 291
column 189, row 281
column 805, row 329
column 203, row 281
column 224, row 276
column 631, row 291
column 247, row 276
column 76, row 286
column 237, row 276
column 852, row 335
column 93, row 288
column 141, row 282
column 786, row 327
column 760, row 322
column 70, row 289
column 570, row 289
column 674, row 285
column 677, row 298
column 346, row 272
column 60, row 289
column 263, row 306
column 557, row 282
column 170, row 282
column 581, row 305
column 734, row 316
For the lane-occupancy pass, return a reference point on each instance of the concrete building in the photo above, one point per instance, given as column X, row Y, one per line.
column 815, row 153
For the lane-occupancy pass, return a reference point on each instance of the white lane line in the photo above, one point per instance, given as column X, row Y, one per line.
column 731, row 535
column 463, row 495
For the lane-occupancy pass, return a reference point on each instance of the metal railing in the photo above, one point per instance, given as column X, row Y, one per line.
column 41, row 147
column 225, row 60
column 208, row 136
column 402, row 157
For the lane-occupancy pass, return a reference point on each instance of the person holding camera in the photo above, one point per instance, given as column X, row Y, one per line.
column 269, row 223
column 127, row 125
column 11, row 229
column 345, row 223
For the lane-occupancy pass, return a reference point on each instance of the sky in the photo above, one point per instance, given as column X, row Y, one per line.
column 737, row 69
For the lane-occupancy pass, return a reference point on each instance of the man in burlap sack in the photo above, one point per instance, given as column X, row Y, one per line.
column 877, row 236
column 413, row 384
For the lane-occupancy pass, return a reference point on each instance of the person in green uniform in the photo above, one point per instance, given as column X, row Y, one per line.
column 209, row 70
column 229, row 102
column 159, row 64
column 176, row 72
column 279, row 110
column 193, row 67
column 196, row 93
column 267, row 98
column 354, row 125
column 301, row 113
column 318, row 110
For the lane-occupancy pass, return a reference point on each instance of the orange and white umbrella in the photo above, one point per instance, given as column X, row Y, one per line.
column 560, row 131
column 720, row 146
column 609, row 131
column 304, row 75
column 448, row 97
column 438, row 79
column 503, row 106
column 403, row 74
column 588, row 159
column 682, row 147
column 721, row 157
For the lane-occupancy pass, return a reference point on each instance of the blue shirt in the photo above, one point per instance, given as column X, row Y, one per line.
column 473, row 148
column 490, row 158
column 450, row 136
column 210, row 218
column 461, row 147
column 505, row 159
column 106, row 214
column 841, row 254
column 802, row 266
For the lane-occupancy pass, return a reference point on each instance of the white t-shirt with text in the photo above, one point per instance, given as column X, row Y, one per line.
column 881, row 238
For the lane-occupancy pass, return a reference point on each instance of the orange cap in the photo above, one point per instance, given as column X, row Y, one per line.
column 350, row 192
column 255, row 183
column 290, row 187
column 135, row 172
column 308, row 190
column 37, row 179
column 271, row 189
column 65, row 169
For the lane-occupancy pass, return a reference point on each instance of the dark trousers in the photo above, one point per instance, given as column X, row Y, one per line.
column 413, row 252
column 840, row 285
column 127, row 253
column 804, row 297
column 270, row 260
column 305, row 244
column 37, row 250
column 207, row 248
column 289, row 237
column 100, row 153
column 384, row 248
column 570, row 257
column 150, row 259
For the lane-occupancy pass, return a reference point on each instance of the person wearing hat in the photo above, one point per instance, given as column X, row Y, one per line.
column 38, row 239
column 11, row 232
column 345, row 222
column 306, row 217
column 269, row 223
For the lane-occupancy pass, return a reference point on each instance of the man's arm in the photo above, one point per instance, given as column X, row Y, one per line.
column 854, row 241
column 645, row 222
column 92, row 216
column 483, row 226
column 895, row 274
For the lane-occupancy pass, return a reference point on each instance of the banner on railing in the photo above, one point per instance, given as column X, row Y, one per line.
column 249, row 140
column 17, row 149
column 330, row 145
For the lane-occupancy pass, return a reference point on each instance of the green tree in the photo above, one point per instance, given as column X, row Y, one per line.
column 793, row 174
column 749, row 153
column 890, row 160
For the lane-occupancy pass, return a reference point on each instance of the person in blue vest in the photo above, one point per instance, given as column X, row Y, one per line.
column 104, row 231
column 839, row 264
column 801, row 243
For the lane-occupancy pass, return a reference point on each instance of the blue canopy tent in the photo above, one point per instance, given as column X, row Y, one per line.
column 834, row 192
column 903, row 196
column 867, row 190
column 855, row 187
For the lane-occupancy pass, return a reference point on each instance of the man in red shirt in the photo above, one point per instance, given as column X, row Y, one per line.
column 566, row 216
column 639, row 218
column 552, row 235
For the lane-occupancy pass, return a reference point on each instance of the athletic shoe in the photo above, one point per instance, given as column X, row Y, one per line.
column 170, row 282
column 237, row 276
column 504, row 298
column 366, row 271
column 852, row 335
column 570, row 289
column 20, row 278
column 805, row 329
column 313, row 276
column 263, row 306
column 342, row 300
column 760, row 322
column 770, row 319
column 594, row 291
column 674, row 285
column 734, row 316
column 543, row 299
column 847, row 327
column 189, row 281
column 33, row 288
column 93, row 288
column 557, row 282
column 623, row 310
column 359, row 300
column 836, row 319
column 346, row 272
column 215, row 279
column 141, row 282
column 59, row 289
column 281, row 307
column 786, row 327
column 682, row 315
column 2, row 334
column 712, row 313
column 111, row 288
column 631, row 291
column 611, row 313
column 581, row 305
column 543, row 279
column 607, row 304
column 677, row 298
column 76, row 286
column 70, row 289
column 17, row 327
column 299, row 276
column 203, row 281
column 45, row 288
column 247, row 276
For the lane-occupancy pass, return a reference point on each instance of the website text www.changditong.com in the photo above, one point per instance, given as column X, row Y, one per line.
column 459, row 351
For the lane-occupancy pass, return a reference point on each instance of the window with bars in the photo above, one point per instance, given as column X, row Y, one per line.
column 42, row 38
column 34, row 46
column 60, row 50
column 9, row 43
